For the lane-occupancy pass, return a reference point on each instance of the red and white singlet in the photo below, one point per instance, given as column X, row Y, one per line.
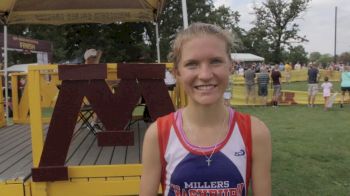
column 185, row 171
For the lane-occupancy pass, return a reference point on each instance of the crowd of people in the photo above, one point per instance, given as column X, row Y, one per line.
column 261, row 75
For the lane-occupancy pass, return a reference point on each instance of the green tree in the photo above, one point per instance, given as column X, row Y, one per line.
column 325, row 60
column 344, row 57
column 171, row 20
column 119, row 41
column 314, row 56
column 277, row 19
column 254, row 42
column 297, row 54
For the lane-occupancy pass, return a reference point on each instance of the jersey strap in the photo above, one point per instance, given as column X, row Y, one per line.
column 244, row 124
column 164, row 125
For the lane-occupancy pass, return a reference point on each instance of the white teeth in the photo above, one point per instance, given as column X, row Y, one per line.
column 204, row 87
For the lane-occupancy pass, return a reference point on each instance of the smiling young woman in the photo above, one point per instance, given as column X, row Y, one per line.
column 205, row 148
column 203, row 69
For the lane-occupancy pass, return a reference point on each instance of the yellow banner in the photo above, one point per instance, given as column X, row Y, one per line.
column 297, row 75
column 287, row 97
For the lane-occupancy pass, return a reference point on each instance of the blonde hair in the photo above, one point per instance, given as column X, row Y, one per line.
column 194, row 30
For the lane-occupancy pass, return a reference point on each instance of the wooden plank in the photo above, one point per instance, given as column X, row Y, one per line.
column 15, row 159
column 10, row 132
column 6, row 147
column 77, row 140
column 5, row 130
column 105, row 157
column 22, row 135
column 119, row 155
column 82, row 150
column 117, row 187
column 16, row 162
column 35, row 115
column 133, row 151
column 142, row 135
column 92, row 154
column 11, row 189
column 13, row 153
column 11, row 149
column 20, row 170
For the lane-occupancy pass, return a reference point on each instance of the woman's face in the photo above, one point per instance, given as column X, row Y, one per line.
column 204, row 69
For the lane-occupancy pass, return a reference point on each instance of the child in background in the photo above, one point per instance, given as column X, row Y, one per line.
column 326, row 86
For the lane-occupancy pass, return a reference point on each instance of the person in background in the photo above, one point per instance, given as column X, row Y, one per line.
column 297, row 66
column 228, row 91
column 263, row 66
column 329, row 71
column 276, row 82
column 93, row 56
column 288, row 72
column 170, row 83
column 241, row 70
column 263, row 81
column 313, row 77
column 249, row 78
column 327, row 87
column 281, row 66
column 169, row 80
column 205, row 147
column 345, row 84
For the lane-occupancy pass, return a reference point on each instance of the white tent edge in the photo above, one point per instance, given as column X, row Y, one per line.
column 246, row 57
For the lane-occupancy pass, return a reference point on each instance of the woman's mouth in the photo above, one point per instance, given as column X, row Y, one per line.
column 205, row 87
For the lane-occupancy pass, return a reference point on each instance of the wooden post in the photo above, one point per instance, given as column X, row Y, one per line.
column 35, row 115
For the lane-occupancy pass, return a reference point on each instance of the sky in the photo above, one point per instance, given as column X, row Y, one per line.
column 317, row 23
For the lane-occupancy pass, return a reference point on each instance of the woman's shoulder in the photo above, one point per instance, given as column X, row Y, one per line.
column 259, row 132
column 259, row 129
column 162, row 124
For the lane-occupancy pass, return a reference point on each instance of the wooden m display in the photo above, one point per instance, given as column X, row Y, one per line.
column 113, row 109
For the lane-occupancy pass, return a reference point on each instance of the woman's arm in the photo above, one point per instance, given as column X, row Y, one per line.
column 261, row 158
column 150, row 179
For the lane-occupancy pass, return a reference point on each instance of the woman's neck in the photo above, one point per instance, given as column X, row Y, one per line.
column 210, row 115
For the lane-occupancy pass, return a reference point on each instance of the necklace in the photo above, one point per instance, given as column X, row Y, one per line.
column 209, row 158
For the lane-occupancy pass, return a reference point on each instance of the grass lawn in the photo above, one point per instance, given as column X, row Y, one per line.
column 311, row 149
column 302, row 86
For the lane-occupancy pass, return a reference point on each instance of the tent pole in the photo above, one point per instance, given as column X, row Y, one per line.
column 5, row 76
column 157, row 42
column 184, row 14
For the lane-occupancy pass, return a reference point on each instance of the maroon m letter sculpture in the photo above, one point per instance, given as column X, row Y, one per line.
column 114, row 110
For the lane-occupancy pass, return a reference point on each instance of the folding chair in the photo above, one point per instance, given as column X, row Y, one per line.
column 137, row 115
column 85, row 114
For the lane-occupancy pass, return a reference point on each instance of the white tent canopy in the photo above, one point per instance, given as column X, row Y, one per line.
column 78, row 11
column 244, row 57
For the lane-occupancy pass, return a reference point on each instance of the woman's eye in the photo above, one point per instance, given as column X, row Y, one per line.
column 216, row 61
column 191, row 65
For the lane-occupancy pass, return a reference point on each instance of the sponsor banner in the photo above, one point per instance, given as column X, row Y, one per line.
column 26, row 44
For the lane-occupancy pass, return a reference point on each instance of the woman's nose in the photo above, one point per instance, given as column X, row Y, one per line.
column 205, row 72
